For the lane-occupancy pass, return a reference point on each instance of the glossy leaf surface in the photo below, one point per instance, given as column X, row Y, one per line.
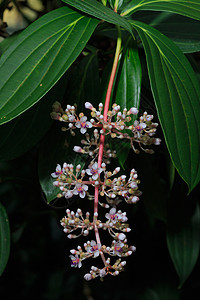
column 100, row 11
column 183, row 31
column 4, row 239
column 176, row 93
column 127, row 90
column 21, row 134
column 39, row 57
column 186, row 8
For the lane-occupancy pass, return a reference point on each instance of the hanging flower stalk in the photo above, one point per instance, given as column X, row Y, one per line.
column 106, row 184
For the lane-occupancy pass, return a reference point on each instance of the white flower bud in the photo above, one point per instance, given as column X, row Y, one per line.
column 116, row 273
column 121, row 236
column 149, row 117
column 71, row 118
column 102, row 273
column 133, row 185
column 134, row 199
column 73, row 251
column 88, row 276
column 88, row 105
column 77, row 149
column 133, row 248
column 116, row 170
column 103, row 165
column 134, row 110
column 93, row 268
column 79, row 211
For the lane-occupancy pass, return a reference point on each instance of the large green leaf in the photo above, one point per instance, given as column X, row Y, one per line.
column 176, row 93
column 98, row 10
column 183, row 31
column 186, row 8
column 4, row 239
column 183, row 240
column 39, row 57
column 21, row 134
column 129, row 78
column 127, row 90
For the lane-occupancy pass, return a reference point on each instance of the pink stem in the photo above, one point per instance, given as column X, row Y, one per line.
column 102, row 137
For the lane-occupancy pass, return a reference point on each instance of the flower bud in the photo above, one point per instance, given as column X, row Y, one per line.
column 88, row 105
column 133, row 110
column 88, row 276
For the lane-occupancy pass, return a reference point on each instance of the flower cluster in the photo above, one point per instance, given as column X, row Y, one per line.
column 76, row 221
column 119, row 247
column 95, row 180
column 118, row 124
column 72, row 182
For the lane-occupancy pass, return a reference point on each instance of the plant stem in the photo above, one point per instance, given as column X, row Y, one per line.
column 102, row 137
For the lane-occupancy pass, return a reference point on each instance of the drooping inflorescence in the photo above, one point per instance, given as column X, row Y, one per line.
column 96, row 181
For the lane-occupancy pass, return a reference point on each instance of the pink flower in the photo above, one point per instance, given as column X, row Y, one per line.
column 58, row 172
column 94, row 171
column 94, row 248
column 80, row 189
column 83, row 124
column 112, row 216
column 118, row 248
column 75, row 261
column 139, row 126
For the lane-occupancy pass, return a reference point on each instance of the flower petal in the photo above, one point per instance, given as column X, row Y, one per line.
column 83, row 130
column 83, row 119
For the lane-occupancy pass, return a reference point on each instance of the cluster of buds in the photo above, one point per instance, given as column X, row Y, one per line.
column 71, row 181
column 115, row 225
column 113, row 270
column 91, row 148
column 75, row 221
column 118, row 124
column 109, row 185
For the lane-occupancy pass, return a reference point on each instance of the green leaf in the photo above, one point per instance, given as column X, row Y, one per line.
column 57, row 148
column 127, row 90
column 4, row 239
column 183, row 240
column 39, row 57
column 21, row 134
column 177, row 96
column 186, row 8
column 129, row 78
column 5, row 44
column 98, row 10
column 183, row 31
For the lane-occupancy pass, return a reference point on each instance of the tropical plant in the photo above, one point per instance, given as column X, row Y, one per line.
column 62, row 58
